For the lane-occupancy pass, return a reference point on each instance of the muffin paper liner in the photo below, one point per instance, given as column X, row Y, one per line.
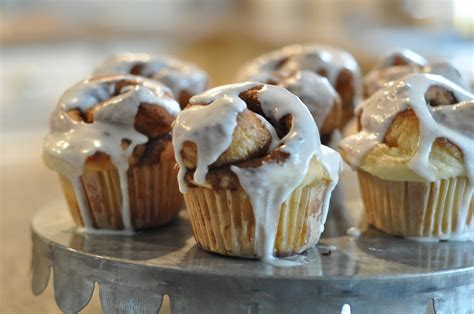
column 153, row 192
column 223, row 221
column 419, row 209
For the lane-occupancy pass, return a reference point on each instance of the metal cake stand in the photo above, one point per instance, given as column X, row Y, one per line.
column 372, row 273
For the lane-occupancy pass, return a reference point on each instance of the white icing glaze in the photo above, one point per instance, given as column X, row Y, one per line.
column 385, row 71
column 377, row 78
column 451, row 122
column 71, row 142
column 271, row 129
column 458, row 236
column 447, row 71
column 314, row 91
column 177, row 75
column 353, row 232
column 210, row 127
column 333, row 164
column 326, row 249
column 270, row 184
column 297, row 60
column 459, row 117
column 79, row 192
column 309, row 57
column 423, row 240
column 346, row 309
column 408, row 56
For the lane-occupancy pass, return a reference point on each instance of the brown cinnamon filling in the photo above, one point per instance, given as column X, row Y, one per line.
column 398, row 60
column 220, row 176
column 137, row 68
column 144, row 154
column 183, row 96
column 281, row 62
column 437, row 95
column 88, row 116
column 151, row 120
column 344, row 85
column 251, row 99
column 223, row 178
column 150, row 152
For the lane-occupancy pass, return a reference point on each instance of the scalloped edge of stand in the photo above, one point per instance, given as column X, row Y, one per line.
column 132, row 291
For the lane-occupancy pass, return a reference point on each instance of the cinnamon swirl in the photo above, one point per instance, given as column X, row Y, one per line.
column 255, row 179
column 110, row 142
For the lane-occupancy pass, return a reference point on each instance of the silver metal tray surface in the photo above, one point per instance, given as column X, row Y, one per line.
column 372, row 273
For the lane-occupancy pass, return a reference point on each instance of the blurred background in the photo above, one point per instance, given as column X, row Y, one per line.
column 46, row 46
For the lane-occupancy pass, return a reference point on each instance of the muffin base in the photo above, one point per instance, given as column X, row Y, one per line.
column 419, row 209
column 223, row 221
column 153, row 192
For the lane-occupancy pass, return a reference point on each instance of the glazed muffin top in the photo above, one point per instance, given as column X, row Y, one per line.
column 338, row 66
column 396, row 64
column 244, row 130
column 322, row 100
column 109, row 121
column 183, row 78
column 257, row 137
column 418, row 128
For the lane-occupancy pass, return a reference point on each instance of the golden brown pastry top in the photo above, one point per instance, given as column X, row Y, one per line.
column 102, row 120
column 236, row 125
column 418, row 128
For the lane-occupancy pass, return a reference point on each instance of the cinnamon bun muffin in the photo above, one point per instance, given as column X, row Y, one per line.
column 414, row 156
column 110, row 142
column 255, row 179
column 399, row 63
column 183, row 78
column 300, row 67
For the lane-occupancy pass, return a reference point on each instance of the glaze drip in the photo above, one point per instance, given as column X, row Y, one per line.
column 270, row 183
column 71, row 141
column 314, row 91
column 459, row 117
column 401, row 57
column 212, row 138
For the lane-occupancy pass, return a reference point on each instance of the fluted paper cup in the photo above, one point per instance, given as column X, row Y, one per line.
column 223, row 221
column 419, row 209
column 154, row 196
